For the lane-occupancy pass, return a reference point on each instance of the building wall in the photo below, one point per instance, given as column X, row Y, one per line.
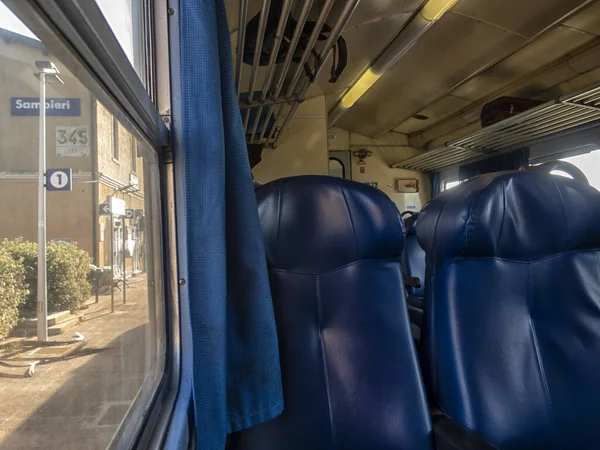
column 68, row 214
column 134, row 201
column 19, row 135
column 97, row 175
column 114, row 178
column 303, row 147
column 121, row 168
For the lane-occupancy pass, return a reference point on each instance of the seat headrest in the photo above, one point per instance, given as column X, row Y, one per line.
column 313, row 224
column 520, row 216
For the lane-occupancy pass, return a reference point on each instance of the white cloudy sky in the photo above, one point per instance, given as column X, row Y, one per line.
column 117, row 14
column 9, row 21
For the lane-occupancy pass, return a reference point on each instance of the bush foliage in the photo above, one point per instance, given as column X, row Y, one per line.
column 67, row 273
column 13, row 291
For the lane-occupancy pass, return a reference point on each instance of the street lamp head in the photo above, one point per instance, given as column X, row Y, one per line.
column 47, row 67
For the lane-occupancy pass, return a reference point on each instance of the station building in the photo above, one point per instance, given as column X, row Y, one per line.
column 81, row 134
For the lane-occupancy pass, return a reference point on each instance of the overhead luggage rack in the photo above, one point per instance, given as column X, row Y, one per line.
column 552, row 117
column 286, row 85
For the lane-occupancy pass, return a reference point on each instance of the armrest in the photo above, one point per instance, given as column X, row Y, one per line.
column 450, row 435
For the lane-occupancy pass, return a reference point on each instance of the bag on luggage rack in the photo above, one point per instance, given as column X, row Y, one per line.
column 504, row 107
column 340, row 51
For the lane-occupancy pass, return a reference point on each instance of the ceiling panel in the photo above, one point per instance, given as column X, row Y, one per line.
column 547, row 48
column 539, row 84
column 587, row 20
column 375, row 10
column 364, row 43
column 332, row 98
column 442, row 59
column 587, row 60
column 394, row 154
column 435, row 112
column 574, row 84
column 525, row 17
column 530, row 58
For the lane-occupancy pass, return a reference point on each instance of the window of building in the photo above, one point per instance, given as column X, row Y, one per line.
column 85, row 374
column 115, row 139
column 133, row 154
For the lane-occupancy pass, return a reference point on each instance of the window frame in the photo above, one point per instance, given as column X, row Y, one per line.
column 446, row 181
column 134, row 151
column 115, row 150
column 82, row 40
column 79, row 36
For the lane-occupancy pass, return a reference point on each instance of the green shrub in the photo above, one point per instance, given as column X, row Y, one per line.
column 67, row 274
column 68, row 285
column 13, row 291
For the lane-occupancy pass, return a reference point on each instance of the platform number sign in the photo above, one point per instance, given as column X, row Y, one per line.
column 129, row 213
column 59, row 180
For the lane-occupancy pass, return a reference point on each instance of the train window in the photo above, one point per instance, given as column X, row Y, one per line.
column 588, row 163
column 449, row 184
column 82, row 356
column 126, row 19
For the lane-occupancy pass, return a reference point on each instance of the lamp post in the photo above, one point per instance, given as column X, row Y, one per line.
column 46, row 72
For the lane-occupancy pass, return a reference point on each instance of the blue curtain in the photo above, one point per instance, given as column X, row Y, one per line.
column 507, row 161
column 436, row 183
column 236, row 373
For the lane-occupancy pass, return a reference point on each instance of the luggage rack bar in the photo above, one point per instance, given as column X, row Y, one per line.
column 336, row 31
column 277, row 74
column 567, row 112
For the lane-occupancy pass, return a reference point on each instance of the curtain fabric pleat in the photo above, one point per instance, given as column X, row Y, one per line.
column 237, row 379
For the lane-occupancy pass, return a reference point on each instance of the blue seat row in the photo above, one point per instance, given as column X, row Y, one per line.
column 511, row 333
column 511, row 330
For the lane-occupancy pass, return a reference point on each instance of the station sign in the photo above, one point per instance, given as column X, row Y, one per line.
column 59, row 180
column 30, row 106
column 115, row 206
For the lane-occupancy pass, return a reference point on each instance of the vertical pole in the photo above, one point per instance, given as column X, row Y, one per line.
column 42, row 304
column 112, row 259
column 124, row 234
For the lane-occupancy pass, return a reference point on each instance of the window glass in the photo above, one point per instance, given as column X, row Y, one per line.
column 115, row 139
column 336, row 168
column 92, row 380
column 125, row 18
column 588, row 163
column 449, row 184
column 134, row 154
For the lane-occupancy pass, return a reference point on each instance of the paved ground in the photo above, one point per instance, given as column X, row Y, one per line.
column 81, row 390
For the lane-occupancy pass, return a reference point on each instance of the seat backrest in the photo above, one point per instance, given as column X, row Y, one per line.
column 413, row 258
column 511, row 338
column 350, row 374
